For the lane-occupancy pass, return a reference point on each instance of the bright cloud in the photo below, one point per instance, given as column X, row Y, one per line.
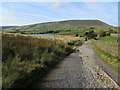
column 59, row 5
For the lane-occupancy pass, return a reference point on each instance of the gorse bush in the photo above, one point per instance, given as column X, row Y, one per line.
column 24, row 57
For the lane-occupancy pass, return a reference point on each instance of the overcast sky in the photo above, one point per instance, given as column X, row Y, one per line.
column 24, row 13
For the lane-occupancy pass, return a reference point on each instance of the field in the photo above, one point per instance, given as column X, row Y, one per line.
column 109, row 38
column 107, row 49
column 28, row 58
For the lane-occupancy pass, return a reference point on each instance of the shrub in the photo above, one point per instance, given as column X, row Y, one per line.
column 77, row 35
column 90, row 34
column 78, row 43
column 102, row 34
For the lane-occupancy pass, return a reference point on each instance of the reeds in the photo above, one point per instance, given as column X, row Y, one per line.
column 25, row 57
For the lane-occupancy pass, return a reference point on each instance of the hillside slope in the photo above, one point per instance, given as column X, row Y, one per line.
column 6, row 27
column 68, row 25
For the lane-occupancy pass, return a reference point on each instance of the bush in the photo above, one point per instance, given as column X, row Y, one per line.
column 77, row 35
column 90, row 34
column 78, row 43
column 102, row 34
column 107, row 34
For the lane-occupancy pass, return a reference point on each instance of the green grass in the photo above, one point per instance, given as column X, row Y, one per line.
column 109, row 38
column 113, row 62
column 108, row 51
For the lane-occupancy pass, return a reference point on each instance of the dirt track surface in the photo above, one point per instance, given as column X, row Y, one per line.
column 79, row 70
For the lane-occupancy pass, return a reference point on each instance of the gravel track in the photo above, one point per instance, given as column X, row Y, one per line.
column 79, row 70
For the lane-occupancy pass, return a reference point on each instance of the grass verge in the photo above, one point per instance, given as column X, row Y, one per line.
column 108, row 51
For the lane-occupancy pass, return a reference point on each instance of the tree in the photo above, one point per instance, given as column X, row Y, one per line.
column 92, row 27
column 102, row 34
column 77, row 35
column 90, row 34
column 110, row 31
column 107, row 34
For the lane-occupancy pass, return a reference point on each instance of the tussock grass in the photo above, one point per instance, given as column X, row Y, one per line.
column 28, row 58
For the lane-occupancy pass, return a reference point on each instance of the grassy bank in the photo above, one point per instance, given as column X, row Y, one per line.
column 27, row 59
column 107, row 49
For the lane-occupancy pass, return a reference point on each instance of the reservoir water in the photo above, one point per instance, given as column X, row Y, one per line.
column 43, row 35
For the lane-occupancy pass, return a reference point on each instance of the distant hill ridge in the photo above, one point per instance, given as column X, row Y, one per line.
column 78, row 23
column 6, row 27
column 61, row 25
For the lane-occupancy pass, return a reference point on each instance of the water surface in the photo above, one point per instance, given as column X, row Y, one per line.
column 43, row 35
